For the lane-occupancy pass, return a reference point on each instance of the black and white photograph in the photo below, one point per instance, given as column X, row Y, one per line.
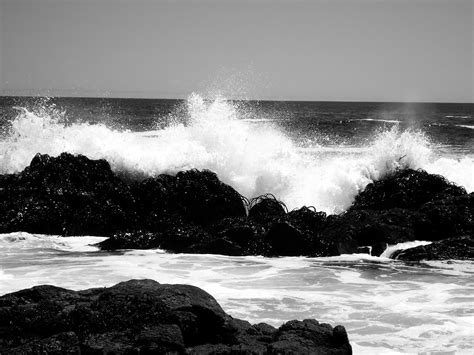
column 237, row 177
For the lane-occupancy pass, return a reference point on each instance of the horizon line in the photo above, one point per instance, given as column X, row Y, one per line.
column 228, row 99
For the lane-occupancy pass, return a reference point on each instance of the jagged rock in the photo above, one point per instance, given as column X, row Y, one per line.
column 195, row 212
column 265, row 209
column 174, row 235
column 67, row 195
column 143, row 316
column 377, row 249
column 204, row 199
column 354, row 229
column 452, row 216
column 198, row 196
column 459, row 248
column 240, row 231
column 73, row 195
column 286, row 240
column 405, row 189
column 221, row 246
column 304, row 337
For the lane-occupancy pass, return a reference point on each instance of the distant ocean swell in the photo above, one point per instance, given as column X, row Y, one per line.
column 254, row 159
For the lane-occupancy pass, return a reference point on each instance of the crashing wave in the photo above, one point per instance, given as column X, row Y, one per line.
column 217, row 135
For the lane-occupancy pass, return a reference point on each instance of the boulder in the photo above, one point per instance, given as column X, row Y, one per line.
column 450, row 217
column 198, row 196
column 265, row 209
column 457, row 248
column 66, row 195
column 174, row 235
column 407, row 189
column 143, row 316
column 74, row 195
column 204, row 199
column 353, row 229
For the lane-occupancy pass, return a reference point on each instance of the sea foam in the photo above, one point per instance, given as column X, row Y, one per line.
column 254, row 157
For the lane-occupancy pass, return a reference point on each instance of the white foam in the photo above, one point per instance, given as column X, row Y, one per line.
column 254, row 160
column 386, row 306
column 402, row 246
column 380, row 120
column 17, row 241
column 465, row 126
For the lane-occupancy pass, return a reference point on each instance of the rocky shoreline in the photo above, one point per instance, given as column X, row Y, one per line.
column 194, row 212
column 145, row 317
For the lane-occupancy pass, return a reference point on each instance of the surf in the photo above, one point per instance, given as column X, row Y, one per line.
column 254, row 157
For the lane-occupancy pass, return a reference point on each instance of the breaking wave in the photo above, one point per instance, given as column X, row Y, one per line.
column 253, row 158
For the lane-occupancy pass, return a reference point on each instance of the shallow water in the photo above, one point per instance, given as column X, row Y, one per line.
column 305, row 153
column 385, row 305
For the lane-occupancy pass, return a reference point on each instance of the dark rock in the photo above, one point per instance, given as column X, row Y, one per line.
column 356, row 228
column 204, row 199
column 378, row 248
column 221, row 246
column 66, row 195
column 73, row 195
column 307, row 219
column 61, row 343
column 142, row 316
column 405, row 189
column 155, row 197
column 286, row 240
column 457, row 248
column 195, row 212
column 240, row 231
column 174, row 235
column 265, row 209
column 310, row 337
column 445, row 218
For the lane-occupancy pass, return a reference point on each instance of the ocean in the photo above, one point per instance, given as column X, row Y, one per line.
column 317, row 154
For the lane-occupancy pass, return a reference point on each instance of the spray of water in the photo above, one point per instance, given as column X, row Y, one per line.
column 254, row 159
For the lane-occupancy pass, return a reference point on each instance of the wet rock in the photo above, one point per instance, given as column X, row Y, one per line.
column 174, row 235
column 450, row 217
column 204, row 199
column 378, row 248
column 68, row 195
column 74, row 195
column 354, row 229
column 286, row 240
column 457, row 248
column 307, row 219
column 198, row 196
column 407, row 189
column 220, row 246
column 62, row 343
column 240, row 231
column 155, row 197
column 265, row 209
column 310, row 337
column 143, row 316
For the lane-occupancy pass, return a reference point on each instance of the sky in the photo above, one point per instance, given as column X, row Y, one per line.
column 336, row 50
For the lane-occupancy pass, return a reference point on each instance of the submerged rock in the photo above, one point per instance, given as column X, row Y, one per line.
column 457, row 248
column 173, row 234
column 143, row 316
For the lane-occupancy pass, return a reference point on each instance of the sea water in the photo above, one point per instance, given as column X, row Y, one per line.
column 319, row 154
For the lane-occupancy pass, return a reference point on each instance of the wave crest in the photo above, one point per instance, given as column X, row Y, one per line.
column 253, row 158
